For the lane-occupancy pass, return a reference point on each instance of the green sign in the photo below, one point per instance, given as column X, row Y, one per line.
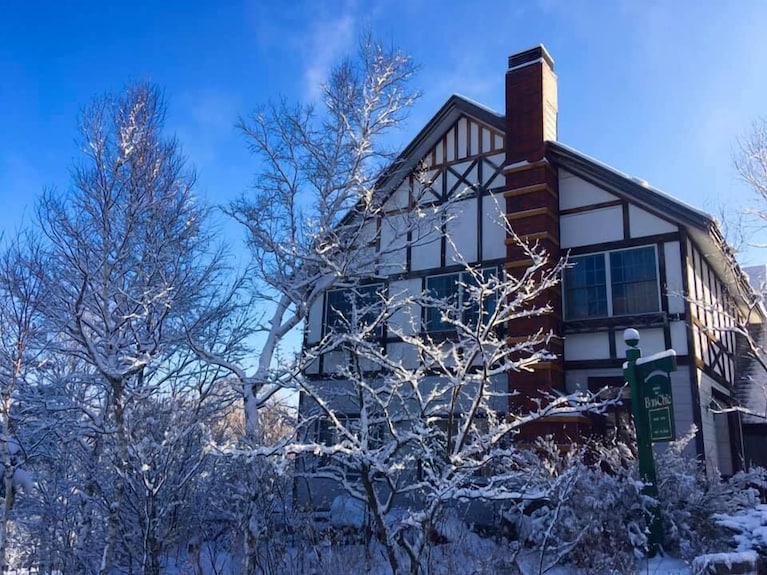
column 659, row 404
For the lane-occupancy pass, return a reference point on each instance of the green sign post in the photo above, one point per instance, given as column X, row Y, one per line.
column 653, row 408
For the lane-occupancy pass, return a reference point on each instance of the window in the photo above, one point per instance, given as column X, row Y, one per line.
column 612, row 283
column 352, row 309
column 453, row 290
column 350, row 430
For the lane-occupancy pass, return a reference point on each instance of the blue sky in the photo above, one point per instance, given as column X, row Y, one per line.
column 657, row 89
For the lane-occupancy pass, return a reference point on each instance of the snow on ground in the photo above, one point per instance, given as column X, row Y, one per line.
column 471, row 555
column 663, row 566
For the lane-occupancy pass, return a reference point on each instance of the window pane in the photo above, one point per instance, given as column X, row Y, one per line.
column 339, row 308
column 585, row 287
column 634, row 281
column 352, row 308
column 471, row 305
column 444, row 288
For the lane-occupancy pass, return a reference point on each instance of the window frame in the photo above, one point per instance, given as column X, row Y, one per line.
column 609, row 285
column 428, row 311
column 374, row 289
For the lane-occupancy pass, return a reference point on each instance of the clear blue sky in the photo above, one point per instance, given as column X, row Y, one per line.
column 657, row 89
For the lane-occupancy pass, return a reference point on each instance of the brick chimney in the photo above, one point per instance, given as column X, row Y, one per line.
column 532, row 204
column 531, row 105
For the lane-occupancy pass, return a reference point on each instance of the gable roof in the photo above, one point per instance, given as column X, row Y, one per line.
column 624, row 186
column 455, row 107
column 702, row 229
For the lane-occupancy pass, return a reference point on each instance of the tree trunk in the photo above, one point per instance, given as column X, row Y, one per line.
column 113, row 525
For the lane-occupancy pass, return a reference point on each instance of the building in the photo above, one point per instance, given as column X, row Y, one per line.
column 751, row 383
column 639, row 258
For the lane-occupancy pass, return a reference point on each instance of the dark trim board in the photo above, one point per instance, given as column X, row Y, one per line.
column 625, row 243
column 412, row 275
column 707, row 370
column 616, row 363
column 591, row 207
column 657, row 319
column 626, row 222
column 663, row 282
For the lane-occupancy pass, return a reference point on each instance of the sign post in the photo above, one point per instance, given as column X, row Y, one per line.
column 653, row 409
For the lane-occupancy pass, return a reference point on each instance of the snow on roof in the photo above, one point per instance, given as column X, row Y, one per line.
column 487, row 109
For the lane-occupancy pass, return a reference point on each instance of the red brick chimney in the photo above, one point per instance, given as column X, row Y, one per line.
column 531, row 105
column 532, row 202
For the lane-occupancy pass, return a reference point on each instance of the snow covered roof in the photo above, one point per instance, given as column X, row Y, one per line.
column 702, row 228
column 455, row 107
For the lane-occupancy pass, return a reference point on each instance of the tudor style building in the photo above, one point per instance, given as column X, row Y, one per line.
column 639, row 258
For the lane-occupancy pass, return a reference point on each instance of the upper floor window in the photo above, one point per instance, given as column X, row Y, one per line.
column 621, row 282
column 454, row 290
column 353, row 309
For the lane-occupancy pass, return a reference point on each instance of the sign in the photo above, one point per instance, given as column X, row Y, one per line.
column 659, row 404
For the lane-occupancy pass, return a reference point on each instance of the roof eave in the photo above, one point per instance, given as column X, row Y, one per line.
column 702, row 228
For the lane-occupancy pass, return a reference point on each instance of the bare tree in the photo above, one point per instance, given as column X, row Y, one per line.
column 310, row 219
column 22, row 345
column 410, row 435
column 129, row 263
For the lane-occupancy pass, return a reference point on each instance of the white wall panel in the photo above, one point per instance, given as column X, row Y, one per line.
column 313, row 368
column 463, row 137
column 428, row 187
column 493, row 227
column 486, row 135
column 462, row 230
column 724, row 451
column 472, row 177
column 400, row 199
column 450, row 145
column 402, row 352
column 674, row 287
column 650, row 341
column 643, row 223
column 575, row 192
column 678, row 337
column 708, row 426
column 425, row 254
column 581, row 346
column 393, row 243
column 492, row 180
column 474, row 138
column 683, row 405
column 592, row 227
column 451, row 179
column 314, row 322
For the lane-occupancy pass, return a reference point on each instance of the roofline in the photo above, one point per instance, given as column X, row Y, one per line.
column 456, row 105
column 703, row 229
column 627, row 187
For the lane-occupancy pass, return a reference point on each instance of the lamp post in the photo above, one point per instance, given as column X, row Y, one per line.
column 634, row 375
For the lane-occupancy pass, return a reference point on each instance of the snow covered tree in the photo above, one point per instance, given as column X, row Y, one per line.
column 394, row 434
column 409, row 440
column 308, row 218
column 22, row 347
column 129, row 265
